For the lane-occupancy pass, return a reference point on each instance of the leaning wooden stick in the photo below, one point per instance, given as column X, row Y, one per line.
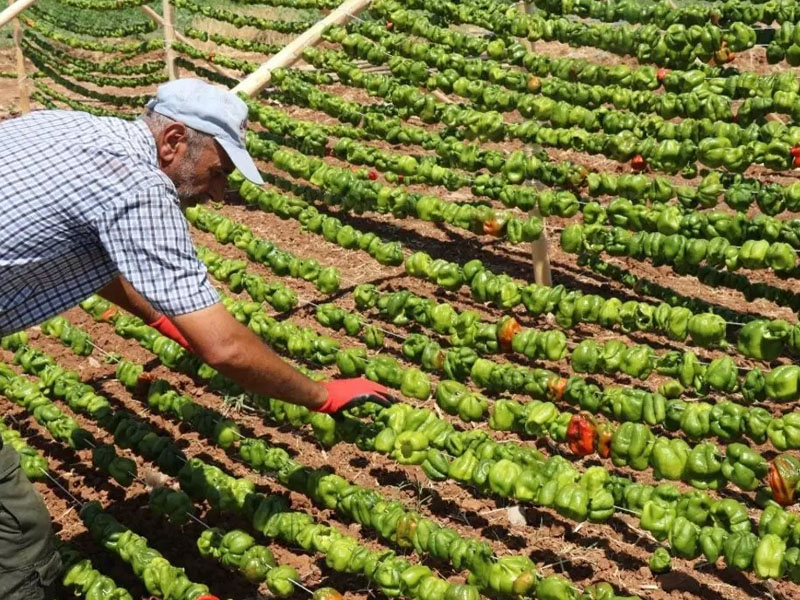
column 256, row 81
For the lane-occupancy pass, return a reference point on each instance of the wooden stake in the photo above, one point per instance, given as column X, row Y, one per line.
column 256, row 81
column 22, row 83
column 178, row 36
column 539, row 248
column 169, row 35
column 13, row 10
column 541, row 257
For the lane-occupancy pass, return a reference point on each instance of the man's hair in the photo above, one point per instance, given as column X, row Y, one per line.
column 195, row 140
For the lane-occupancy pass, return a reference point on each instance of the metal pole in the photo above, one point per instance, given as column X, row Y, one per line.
column 169, row 36
column 254, row 82
column 22, row 84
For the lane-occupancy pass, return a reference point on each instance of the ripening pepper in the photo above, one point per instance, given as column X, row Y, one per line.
column 581, row 434
column 744, row 467
column 784, row 477
column 660, row 561
column 739, row 549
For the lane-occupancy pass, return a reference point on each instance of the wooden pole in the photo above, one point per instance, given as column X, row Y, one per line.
column 254, row 82
column 22, row 83
column 13, row 10
column 540, row 256
column 539, row 248
column 178, row 36
column 169, row 35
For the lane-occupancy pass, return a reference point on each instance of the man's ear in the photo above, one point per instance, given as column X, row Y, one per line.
column 171, row 143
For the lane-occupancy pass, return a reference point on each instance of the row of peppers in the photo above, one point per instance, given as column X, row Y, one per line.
column 271, row 517
column 708, row 81
column 707, row 329
column 33, row 464
column 84, row 581
column 296, row 207
column 680, row 251
column 75, row 21
column 623, row 139
column 39, row 57
column 280, row 261
column 677, row 46
column 622, row 87
column 343, row 187
column 242, row 20
column 257, row 565
column 675, row 218
column 664, row 14
column 129, row 48
column 512, row 575
column 555, row 101
column 724, row 420
column 702, row 466
column 410, row 448
column 698, row 420
column 739, row 192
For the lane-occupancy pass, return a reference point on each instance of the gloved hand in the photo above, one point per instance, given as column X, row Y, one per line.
column 346, row 393
column 165, row 327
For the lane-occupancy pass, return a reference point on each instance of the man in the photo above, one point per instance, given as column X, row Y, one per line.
column 92, row 204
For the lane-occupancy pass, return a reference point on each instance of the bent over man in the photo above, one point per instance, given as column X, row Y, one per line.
column 93, row 204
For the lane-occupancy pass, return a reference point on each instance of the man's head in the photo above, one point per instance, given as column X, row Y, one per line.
column 199, row 134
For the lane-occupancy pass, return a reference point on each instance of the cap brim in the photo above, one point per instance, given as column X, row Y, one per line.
column 242, row 161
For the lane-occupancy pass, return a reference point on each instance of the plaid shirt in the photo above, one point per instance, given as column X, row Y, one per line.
column 82, row 199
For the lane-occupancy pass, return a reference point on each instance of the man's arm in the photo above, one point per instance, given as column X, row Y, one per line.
column 235, row 351
column 121, row 293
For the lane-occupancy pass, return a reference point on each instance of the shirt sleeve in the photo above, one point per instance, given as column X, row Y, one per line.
column 148, row 240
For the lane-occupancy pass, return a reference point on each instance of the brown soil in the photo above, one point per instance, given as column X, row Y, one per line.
column 617, row 551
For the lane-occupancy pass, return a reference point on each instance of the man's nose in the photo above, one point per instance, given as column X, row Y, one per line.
column 217, row 188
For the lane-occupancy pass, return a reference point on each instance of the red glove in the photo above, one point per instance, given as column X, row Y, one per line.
column 345, row 393
column 165, row 327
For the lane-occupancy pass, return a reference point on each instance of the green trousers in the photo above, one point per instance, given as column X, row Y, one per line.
column 29, row 563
